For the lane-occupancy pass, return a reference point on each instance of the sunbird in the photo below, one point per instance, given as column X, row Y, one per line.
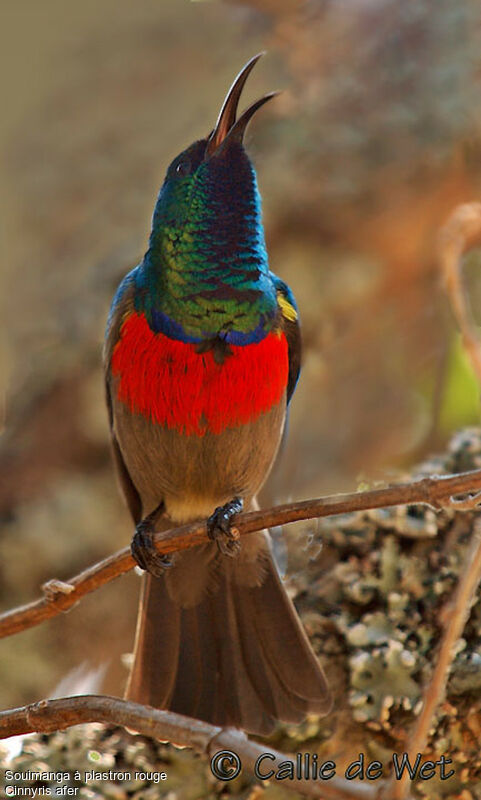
column 202, row 356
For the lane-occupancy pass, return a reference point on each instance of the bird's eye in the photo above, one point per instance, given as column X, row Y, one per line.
column 183, row 167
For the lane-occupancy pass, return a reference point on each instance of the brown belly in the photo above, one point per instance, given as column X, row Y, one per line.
column 194, row 474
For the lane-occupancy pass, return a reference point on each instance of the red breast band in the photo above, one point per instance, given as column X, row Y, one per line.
column 169, row 382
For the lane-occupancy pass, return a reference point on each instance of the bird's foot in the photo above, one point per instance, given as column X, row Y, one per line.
column 220, row 530
column 143, row 548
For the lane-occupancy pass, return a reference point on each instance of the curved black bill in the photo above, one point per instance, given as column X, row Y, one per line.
column 227, row 127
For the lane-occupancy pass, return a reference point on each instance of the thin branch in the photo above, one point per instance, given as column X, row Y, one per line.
column 455, row 619
column 437, row 492
column 48, row 716
column 461, row 232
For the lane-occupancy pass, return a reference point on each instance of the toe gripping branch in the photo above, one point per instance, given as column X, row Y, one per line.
column 143, row 549
column 219, row 527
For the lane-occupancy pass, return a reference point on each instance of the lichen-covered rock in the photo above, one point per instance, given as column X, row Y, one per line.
column 390, row 574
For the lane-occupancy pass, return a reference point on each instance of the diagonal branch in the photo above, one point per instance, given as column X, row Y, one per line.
column 459, row 234
column 455, row 619
column 48, row 716
column 438, row 492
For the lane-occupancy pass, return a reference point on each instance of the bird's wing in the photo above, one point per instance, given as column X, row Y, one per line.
column 122, row 305
column 290, row 325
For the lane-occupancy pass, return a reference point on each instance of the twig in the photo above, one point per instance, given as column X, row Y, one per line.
column 461, row 232
column 48, row 716
column 437, row 492
column 455, row 620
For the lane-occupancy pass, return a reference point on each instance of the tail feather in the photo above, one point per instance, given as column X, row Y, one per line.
column 281, row 653
column 206, row 659
column 239, row 656
column 287, row 649
column 236, row 699
column 157, row 646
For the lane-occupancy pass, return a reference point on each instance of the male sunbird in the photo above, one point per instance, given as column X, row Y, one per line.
column 202, row 355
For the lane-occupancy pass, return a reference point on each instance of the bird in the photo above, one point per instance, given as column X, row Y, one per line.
column 201, row 358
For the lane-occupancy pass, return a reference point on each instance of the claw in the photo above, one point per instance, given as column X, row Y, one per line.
column 219, row 527
column 143, row 549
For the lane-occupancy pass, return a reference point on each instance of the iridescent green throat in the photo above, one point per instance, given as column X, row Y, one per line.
column 206, row 269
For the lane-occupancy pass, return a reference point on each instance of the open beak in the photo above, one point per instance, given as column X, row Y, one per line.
column 227, row 127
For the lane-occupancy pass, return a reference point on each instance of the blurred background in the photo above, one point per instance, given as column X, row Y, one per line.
column 374, row 140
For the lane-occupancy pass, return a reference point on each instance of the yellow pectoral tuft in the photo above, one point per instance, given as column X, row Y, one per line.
column 287, row 309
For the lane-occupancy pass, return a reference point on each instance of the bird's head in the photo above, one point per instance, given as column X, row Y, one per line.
column 208, row 209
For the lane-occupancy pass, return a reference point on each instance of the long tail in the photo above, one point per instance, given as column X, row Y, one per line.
column 235, row 655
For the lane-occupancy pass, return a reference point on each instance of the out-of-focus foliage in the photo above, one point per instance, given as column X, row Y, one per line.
column 376, row 136
column 460, row 397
